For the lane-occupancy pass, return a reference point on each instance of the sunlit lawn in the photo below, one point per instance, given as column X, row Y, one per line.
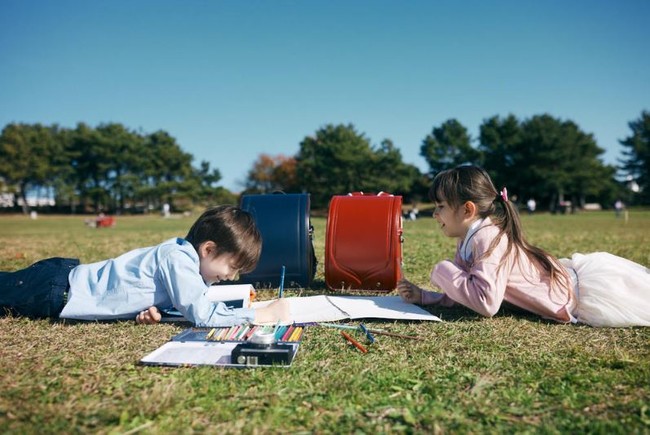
column 511, row 373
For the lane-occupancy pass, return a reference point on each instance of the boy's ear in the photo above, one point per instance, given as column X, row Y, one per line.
column 207, row 249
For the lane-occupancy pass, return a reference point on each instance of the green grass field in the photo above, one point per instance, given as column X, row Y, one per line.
column 511, row 373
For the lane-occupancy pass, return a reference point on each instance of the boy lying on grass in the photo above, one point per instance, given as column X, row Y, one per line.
column 222, row 243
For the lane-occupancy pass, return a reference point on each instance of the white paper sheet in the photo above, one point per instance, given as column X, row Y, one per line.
column 232, row 292
column 331, row 308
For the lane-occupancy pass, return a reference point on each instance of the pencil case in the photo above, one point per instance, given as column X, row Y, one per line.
column 283, row 219
column 283, row 333
column 363, row 244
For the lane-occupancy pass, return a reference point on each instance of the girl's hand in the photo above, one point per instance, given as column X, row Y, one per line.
column 409, row 291
column 276, row 310
column 148, row 317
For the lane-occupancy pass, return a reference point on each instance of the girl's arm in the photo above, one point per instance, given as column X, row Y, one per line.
column 482, row 286
column 416, row 295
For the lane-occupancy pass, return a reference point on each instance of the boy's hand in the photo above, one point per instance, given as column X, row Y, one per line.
column 276, row 310
column 149, row 316
column 409, row 291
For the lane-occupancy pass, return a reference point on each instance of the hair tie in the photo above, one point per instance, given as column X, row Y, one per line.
column 504, row 195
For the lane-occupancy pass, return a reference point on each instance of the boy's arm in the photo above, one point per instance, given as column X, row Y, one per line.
column 277, row 310
column 179, row 273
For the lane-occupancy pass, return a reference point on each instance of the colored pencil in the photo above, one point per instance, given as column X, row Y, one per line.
column 220, row 335
column 251, row 332
column 233, row 333
column 295, row 333
column 354, row 342
column 288, row 333
column 392, row 334
column 284, row 269
column 242, row 332
column 279, row 333
column 369, row 335
column 297, row 338
column 337, row 325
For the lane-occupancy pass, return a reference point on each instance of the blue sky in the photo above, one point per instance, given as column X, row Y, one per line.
column 233, row 79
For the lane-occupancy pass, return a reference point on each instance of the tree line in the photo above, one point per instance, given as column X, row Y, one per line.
column 115, row 169
column 105, row 168
column 543, row 157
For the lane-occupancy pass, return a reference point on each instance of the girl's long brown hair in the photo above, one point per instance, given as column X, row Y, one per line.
column 471, row 183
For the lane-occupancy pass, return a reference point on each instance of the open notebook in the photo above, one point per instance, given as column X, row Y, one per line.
column 324, row 308
column 321, row 308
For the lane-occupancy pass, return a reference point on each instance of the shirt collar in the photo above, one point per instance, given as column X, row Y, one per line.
column 465, row 249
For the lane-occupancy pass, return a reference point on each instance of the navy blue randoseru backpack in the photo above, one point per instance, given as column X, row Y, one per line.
column 283, row 220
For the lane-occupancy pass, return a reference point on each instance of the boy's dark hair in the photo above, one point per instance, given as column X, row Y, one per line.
column 234, row 232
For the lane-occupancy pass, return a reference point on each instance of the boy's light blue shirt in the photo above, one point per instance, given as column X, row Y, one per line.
column 164, row 275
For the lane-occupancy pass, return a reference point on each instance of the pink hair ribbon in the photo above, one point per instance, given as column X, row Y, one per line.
column 504, row 194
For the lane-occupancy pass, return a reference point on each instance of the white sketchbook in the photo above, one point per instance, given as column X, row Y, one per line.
column 322, row 308
column 325, row 308
column 234, row 296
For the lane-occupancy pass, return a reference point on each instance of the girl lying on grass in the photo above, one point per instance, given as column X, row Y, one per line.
column 495, row 263
column 223, row 242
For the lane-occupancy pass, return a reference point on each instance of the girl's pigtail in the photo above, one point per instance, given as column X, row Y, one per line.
column 512, row 226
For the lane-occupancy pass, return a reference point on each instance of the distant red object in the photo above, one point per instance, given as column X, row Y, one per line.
column 104, row 221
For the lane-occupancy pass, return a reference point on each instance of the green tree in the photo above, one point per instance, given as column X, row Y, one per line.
column 636, row 152
column 395, row 176
column 545, row 158
column 124, row 155
column 498, row 142
column 210, row 193
column 334, row 161
column 338, row 160
column 31, row 157
column 91, row 161
column 168, row 174
column 448, row 146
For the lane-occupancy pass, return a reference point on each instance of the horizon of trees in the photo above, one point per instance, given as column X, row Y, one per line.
column 112, row 168
column 546, row 158
column 108, row 168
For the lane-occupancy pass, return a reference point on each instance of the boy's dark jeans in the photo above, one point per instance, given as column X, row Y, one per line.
column 37, row 291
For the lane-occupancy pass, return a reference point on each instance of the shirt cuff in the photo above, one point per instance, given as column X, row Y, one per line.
column 245, row 314
column 228, row 317
column 430, row 298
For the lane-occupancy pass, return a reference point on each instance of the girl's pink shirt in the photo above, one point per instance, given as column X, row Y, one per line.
column 482, row 286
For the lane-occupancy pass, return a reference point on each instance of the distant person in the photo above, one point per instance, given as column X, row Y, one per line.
column 222, row 243
column 618, row 208
column 100, row 221
column 166, row 210
column 104, row 221
column 413, row 213
column 531, row 205
column 494, row 263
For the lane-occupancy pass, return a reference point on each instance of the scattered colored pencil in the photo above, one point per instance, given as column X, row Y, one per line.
column 354, row 342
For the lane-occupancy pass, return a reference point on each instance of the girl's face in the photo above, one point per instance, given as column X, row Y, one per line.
column 216, row 268
column 453, row 222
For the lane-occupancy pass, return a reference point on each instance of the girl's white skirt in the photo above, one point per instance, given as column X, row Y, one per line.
column 612, row 291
